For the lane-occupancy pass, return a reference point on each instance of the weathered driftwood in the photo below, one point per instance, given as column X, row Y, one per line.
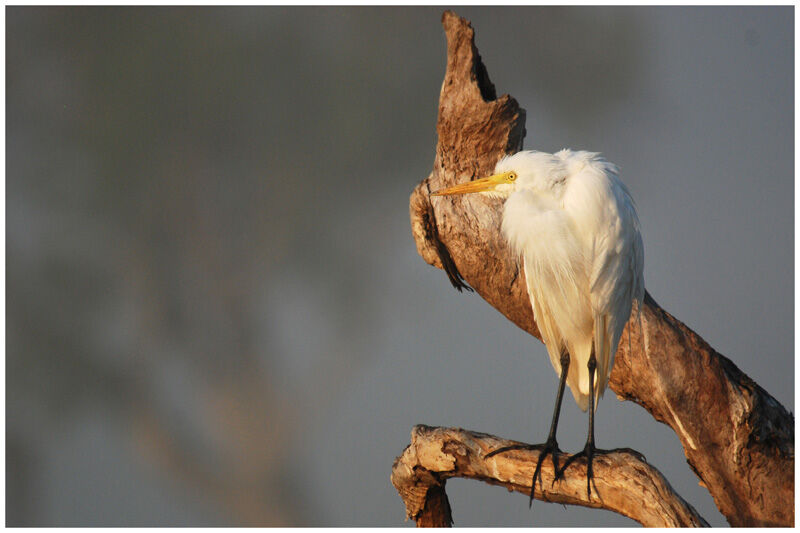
column 627, row 485
column 737, row 438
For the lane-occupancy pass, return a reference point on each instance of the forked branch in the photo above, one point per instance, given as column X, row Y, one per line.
column 737, row 438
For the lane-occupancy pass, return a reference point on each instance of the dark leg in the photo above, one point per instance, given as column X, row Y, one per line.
column 590, row 451
column 550, row 446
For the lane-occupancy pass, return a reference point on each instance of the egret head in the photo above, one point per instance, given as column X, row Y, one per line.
column 529, row 170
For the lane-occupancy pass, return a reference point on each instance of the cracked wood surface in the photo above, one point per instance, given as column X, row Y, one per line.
column 624, row 483
column 737, row 438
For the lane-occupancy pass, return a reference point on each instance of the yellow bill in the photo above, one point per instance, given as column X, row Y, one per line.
column 480, row 185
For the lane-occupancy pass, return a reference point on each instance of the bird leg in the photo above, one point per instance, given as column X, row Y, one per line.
column 589, row 450
column 550, row 445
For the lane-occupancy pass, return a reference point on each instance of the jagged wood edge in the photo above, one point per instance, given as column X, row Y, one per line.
column 624, row 484
column 737, row 438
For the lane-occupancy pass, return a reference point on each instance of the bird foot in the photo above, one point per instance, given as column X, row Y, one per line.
column 589, row 452
column 548, row 447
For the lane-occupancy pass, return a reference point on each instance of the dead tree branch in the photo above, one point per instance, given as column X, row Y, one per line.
column 737, row 438
column 626, row 484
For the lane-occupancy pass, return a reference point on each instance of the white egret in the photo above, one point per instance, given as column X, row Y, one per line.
column 574, row 225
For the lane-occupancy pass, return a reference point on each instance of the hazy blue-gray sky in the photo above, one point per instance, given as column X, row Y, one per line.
column 216, row 312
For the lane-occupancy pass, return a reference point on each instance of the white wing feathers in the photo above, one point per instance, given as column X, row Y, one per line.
column 605, row 216
column 583, row 260
column 555, row 262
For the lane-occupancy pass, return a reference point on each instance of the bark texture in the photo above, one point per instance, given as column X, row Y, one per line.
column 627, row 485
column 736, row 437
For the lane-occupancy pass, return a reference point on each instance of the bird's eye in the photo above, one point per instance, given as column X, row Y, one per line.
column 512, row 176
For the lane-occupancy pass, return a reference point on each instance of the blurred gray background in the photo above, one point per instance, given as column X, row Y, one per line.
column 216, row 314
